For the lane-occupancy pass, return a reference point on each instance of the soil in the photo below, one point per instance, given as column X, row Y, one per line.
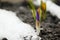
column 51, row 25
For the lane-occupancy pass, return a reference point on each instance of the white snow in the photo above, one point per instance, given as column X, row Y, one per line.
column 12, row 28
column 36, row 2
column 52, row 7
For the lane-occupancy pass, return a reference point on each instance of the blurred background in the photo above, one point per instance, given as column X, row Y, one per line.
column 51, row 25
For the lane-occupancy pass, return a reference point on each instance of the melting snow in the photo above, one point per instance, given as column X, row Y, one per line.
column 12, row 28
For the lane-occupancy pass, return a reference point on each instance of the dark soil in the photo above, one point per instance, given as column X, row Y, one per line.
column 51, row 25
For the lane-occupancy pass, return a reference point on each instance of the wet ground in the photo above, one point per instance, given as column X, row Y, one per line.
column 51, row 25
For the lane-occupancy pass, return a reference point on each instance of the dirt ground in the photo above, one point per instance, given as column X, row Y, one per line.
column 51, row 25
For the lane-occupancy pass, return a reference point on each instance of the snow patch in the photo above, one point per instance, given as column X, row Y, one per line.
column 12, row 28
